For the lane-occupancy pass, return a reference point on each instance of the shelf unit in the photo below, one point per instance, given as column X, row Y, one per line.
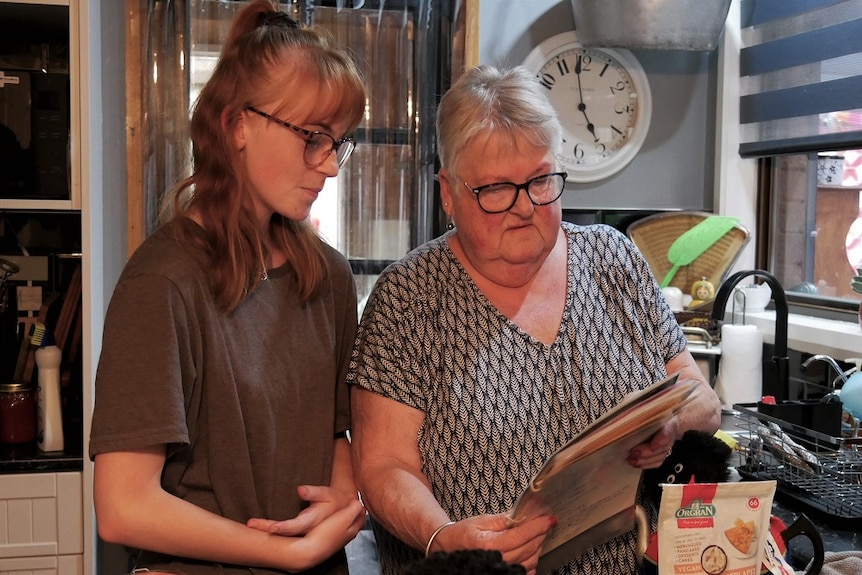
column 47, row 523
column 23, row 8
column 38, row 205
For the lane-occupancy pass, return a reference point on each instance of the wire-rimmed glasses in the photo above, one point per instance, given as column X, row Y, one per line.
column 501, row 196
column 318, row 145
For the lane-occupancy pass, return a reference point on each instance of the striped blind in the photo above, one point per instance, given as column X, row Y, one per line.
column 801, row 76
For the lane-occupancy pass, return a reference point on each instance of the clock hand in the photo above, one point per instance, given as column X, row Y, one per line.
column 578, row 74
column 592, row 130
column 581, row 106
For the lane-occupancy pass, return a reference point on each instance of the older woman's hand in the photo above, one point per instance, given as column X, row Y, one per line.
column 519, row 544
column 650, row 454
column 702, row 412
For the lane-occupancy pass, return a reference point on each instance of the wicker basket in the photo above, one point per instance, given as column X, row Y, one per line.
column 653, row 235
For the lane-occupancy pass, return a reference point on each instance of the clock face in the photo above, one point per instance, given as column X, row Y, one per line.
column 603, row 100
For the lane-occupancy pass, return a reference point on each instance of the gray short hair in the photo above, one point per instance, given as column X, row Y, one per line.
column 487, row 100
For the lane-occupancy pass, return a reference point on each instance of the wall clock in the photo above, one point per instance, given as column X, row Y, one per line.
column 603, row 98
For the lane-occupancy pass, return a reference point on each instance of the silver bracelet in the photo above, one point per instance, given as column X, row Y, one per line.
column 435, row 534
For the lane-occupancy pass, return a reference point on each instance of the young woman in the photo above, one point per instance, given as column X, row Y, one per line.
column 221, row 404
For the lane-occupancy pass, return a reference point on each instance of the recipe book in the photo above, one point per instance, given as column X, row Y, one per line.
column 588, row 484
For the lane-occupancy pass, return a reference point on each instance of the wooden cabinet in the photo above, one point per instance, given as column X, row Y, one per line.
column 41, row 523
column 47, row 523
column 40, row 56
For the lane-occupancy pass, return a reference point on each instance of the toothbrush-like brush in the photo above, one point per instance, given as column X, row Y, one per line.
column 35, row 343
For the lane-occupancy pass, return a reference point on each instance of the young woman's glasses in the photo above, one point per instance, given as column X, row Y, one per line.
column 501, row 196
column 318, row 145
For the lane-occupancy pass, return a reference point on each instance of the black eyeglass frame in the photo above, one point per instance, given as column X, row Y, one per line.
column 518, row 187
column 340, row 157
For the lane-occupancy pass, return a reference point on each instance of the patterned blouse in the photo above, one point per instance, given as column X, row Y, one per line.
column 498, row 402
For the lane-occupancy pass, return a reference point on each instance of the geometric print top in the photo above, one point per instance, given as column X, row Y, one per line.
column 498, row 402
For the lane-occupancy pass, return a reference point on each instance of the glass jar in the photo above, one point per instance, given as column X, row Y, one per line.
column 17, row 413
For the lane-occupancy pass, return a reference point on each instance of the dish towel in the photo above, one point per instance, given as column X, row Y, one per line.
column 842, row 563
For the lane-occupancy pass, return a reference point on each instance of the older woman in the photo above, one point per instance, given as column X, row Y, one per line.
column 483, row 351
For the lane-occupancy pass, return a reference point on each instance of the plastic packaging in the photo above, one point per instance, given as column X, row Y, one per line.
column 49, row 436
column 851, row 391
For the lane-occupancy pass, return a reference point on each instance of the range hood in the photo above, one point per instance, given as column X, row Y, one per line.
column 651, row 24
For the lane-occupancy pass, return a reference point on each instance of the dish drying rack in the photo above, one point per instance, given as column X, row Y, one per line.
column 819, row 471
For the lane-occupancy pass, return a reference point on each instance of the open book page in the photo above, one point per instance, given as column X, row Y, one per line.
column 589, row 480
column 629, row 401
column 639, row 411
column 587, row 491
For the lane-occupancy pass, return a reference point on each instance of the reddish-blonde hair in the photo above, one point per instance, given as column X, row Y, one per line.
column 267, row 57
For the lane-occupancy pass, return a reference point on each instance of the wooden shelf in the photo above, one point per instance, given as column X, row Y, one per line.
column 36, row 205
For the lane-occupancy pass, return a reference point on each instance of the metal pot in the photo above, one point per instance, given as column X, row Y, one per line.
column 652, row 24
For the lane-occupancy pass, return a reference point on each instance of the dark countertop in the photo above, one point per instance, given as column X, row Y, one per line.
column 26, row 458
column 837, row 534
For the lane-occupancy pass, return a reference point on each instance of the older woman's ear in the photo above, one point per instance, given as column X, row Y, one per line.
column 444, row 178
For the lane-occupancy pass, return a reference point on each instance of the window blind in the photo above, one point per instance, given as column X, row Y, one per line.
column 801, row 76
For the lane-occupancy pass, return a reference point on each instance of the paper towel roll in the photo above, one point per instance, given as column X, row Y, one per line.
column 740, row 370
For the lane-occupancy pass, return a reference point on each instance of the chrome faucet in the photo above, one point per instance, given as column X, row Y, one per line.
column 776, row 379
column 843, row 375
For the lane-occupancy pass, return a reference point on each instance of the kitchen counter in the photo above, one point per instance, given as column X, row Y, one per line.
column 812, row 335
column 836, row 536
column 837, row 533
column 27, row 458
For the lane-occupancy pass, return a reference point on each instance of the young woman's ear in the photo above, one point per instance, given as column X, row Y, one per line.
column 236, row 126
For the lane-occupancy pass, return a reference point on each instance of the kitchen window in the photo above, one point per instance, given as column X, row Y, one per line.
column 814, row 225
column 801, row 115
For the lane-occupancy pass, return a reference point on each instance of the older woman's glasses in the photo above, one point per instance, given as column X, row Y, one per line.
column 318, row 145
column 501, row 196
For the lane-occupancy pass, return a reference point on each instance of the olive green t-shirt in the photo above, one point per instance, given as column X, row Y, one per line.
column 248, row 402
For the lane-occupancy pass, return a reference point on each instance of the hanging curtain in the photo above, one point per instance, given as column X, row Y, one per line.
column 407, row 51
column 166, row 103
column 160, row 88
column 801, row 76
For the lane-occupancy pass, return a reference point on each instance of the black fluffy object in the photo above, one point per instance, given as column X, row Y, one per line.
column 464, row 562
column 697, row 454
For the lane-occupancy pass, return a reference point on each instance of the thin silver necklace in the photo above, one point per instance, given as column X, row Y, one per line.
column 264, row 274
